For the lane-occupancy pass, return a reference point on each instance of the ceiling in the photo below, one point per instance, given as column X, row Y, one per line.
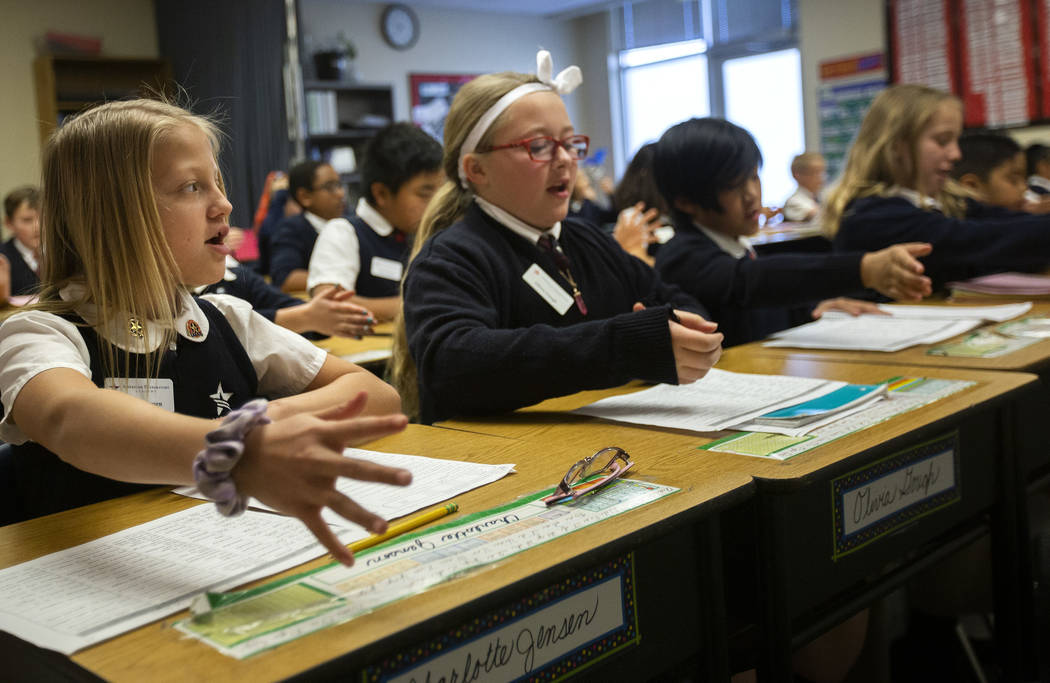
column 543, row 8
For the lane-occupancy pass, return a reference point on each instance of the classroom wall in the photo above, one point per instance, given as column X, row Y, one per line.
column 829, row 29
column 127, row 29
column 450, row 41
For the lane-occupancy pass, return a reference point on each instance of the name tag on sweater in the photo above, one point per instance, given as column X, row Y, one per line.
column 545, row 286
column 386, row 268
column 159, row 392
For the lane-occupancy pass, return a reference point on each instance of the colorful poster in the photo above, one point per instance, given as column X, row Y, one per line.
column 847, row 87
column 431, row 97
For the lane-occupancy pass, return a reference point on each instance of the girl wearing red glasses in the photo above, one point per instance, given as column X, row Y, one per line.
column 507, row 302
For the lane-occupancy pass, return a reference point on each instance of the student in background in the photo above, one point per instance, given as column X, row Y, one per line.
column 22, row 218
column 366, row 254
column 810, row 172
column 992, row 167
column 280, row 206
column 118, row 375
column 643, row 216
column 331, row 313
column 506, row 301
column 896, row 188
column 707, row 170
column 316, row 187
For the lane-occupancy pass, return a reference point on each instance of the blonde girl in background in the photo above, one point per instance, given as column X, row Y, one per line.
column 895, row 188
column 507, row 302
column 119, row 376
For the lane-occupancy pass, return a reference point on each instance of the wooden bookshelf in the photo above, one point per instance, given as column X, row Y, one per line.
column 68, row 84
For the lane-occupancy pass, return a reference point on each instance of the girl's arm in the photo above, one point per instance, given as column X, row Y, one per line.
column 291, row 464
column 339, row 380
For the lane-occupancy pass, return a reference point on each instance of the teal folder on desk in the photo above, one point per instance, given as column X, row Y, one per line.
column 818, row 408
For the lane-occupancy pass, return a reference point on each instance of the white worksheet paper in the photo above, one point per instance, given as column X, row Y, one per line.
column 721, row 400
column 998, row 313
column 870, row 332
column 77, row 597
column 433, row 480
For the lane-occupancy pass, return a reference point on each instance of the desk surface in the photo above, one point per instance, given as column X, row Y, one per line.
column 1032, row 358
column 785, row 232
column 158, row 652
column 354, row 349
column 549, row 423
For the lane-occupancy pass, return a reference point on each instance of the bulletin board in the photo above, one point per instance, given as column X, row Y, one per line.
column 996, row 67
column 922, row 43
column 993, row 54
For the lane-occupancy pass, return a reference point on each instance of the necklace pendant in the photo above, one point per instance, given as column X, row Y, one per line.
column 135, row 327
column 579, row 302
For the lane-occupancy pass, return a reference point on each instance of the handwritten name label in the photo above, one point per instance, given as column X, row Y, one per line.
column 530, row 642
column 898, row 490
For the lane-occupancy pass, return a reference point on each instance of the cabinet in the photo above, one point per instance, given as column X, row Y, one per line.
column 341, row 117
column 68, row 84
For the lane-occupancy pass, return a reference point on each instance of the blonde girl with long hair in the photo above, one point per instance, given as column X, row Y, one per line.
column 119, row 377
column 895, row 188
column 506, row 302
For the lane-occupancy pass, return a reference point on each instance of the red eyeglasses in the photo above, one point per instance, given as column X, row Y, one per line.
column 543, row 147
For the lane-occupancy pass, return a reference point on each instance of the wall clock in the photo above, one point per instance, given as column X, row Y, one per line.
column 400, row 26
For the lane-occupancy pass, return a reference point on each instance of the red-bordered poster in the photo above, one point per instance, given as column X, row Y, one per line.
column 998, row 74
column 1042, row 18
column 923, row 45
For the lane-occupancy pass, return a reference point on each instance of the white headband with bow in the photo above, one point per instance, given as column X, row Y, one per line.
column 564, row 83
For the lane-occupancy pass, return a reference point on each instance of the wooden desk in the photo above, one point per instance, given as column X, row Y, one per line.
column 372, row 351
column 682, row 525
column 811, row 574
column 790, row 237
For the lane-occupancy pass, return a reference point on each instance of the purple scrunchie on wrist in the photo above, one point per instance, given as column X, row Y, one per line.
column 213, row 466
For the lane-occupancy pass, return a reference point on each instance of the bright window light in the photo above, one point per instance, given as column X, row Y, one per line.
column 763, row 93
column 660, row 94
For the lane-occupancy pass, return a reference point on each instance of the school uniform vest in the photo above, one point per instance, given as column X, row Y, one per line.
column 210, row 379
column 23, row 279
column 394, row 247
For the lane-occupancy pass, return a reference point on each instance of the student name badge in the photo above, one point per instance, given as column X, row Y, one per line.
column 386, row 268
column 159, row 392
column 545, row 286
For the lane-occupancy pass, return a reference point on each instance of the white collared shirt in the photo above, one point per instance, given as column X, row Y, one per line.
column 516, row 225
column 27, row 255
column 800, row 204
column 316, row 221
column 921, row 201
column 1037, row 180
column 336, row 259
column 737, row 247
column 34, row 341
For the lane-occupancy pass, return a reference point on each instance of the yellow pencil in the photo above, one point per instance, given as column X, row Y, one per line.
column 403, row 527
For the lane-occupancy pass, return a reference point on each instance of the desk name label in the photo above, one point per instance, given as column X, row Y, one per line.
column 562, row 628
column 876, row 499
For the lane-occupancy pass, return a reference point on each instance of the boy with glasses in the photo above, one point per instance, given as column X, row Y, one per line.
column 316, row 186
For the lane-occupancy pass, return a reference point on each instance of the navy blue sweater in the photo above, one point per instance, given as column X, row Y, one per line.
column 485, row 342
column 293, row 242
column 988, row 240
column 752, row 298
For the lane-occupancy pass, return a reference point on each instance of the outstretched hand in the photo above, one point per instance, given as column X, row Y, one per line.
column 896, row 271
column 331, row 313
column 847, row 305
column 634, row 230
column 293, row 464
column 695, row 343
